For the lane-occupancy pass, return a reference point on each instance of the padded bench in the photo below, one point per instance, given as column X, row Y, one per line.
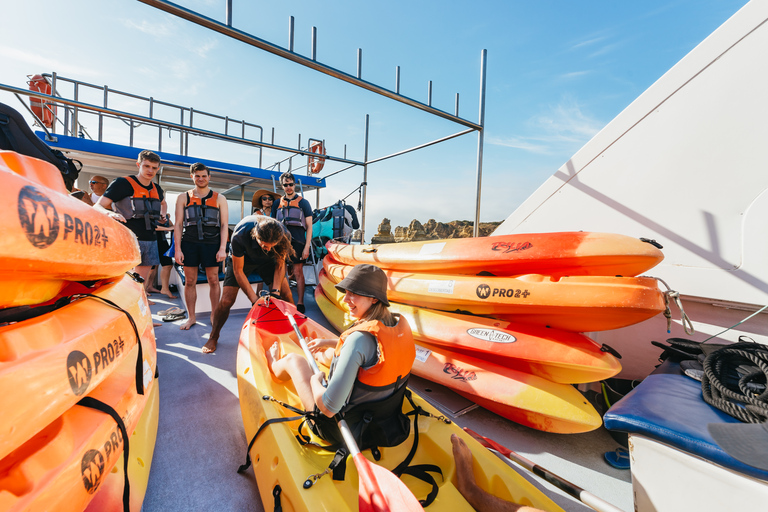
column 675, row 462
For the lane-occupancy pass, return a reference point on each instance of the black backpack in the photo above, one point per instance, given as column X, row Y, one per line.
column 15, row 135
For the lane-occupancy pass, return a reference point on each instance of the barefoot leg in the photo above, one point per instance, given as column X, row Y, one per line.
column 220, row 316
column 190, row 297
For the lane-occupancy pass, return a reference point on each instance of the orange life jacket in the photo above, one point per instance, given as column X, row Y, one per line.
column 290, row 212
column 396, row 353
column 203, row 214
column 145, row 204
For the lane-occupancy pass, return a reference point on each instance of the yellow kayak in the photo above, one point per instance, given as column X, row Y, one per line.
column 280, row 461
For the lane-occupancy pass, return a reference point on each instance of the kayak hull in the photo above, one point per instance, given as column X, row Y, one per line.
column 559, row 254
column 578, row 303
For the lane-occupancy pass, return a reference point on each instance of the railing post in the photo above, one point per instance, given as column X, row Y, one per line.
column 480, row 132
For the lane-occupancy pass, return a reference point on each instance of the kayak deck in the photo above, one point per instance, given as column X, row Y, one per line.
column 201, row 441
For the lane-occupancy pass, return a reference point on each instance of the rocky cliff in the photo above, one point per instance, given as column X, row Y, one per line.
column 431, row 230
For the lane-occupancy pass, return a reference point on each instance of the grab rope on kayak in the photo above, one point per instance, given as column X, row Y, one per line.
column 674, row 296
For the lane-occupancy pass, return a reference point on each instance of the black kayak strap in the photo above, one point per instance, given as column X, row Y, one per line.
column 140, row 355
column 263, row 425
column 93, row 403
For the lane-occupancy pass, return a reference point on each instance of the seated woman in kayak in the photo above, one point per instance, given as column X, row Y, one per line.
column 368, row 362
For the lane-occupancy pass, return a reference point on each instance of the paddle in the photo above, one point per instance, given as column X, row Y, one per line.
column 577, row 492
column 379, row 489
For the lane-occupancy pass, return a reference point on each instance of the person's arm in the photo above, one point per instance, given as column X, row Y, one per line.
column 277, row 278
column 105, row 206
column 238, row 264
column 307, row 209
column 177, row 229
column 359, row 350
column 224, row 221
column 308, row 240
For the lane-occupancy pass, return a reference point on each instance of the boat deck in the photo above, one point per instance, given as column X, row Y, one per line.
column 201, row 442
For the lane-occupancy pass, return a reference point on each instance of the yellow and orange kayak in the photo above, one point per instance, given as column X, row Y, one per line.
column 279, row 459
column 576, row 303
column 62, row 466
column 50, row 238
column 559, row 356
column 518, row 396
column 142, row 448
column 53, row 360
column 559, row 254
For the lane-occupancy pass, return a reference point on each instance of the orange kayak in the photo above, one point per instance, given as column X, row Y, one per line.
column 559, row 254
column 142, row 448
column 50, row 238
column 62, row 466
column 576, row 303
column 518, row 396
column 559, row 356
column 53, row 360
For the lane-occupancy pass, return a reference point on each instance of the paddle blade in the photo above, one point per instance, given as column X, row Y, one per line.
column 381, row 491
column 488, row 443
column 285, row 308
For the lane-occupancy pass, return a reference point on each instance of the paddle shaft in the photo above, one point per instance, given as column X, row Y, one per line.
column 571, row 489
column 371, row 477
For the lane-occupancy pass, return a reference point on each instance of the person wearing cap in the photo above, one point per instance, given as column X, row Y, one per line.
column 369, row 361
column 262, row 202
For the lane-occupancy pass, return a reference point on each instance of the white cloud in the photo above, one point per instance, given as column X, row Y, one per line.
column 561, row 127
column 39, row 62
column 156, row 29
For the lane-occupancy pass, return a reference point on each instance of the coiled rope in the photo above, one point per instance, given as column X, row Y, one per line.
column 735, row 379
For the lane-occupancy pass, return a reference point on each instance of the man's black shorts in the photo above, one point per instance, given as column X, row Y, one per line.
column 265, row 271
column 195, row 254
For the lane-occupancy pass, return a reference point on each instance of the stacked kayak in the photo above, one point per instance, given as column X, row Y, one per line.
column 571, row 303
column 282, row 465
column 555, row 254
column 77, row 352
column 499, row 319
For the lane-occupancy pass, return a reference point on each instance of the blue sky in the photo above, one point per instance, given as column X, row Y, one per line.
column 558, row 72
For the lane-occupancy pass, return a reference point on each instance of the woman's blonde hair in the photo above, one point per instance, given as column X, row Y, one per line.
column 270, row 231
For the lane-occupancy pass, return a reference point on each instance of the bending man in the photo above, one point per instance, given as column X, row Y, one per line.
column 259, row 244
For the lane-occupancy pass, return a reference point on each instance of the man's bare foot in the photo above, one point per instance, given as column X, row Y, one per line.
column 150, row 302
column 156, row 325
column 152, row 290
column 168, row 294
column 189, row 323
column 463, row 459
column 210, row 347
column 273, row 354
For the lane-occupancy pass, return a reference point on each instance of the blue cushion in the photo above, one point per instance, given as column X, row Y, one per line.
column 668, row 407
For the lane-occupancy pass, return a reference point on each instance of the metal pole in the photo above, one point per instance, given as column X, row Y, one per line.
column 290, row 34
column 314, row 43
column 228, row 13
column 397, row 80
column 365, row 182
column 359, row 63
column 480, row 132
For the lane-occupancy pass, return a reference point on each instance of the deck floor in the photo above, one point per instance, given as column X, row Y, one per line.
column 201, row 442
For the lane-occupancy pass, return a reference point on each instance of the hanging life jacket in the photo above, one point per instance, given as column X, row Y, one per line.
column 290, row 212
column 145, row 204
column 203, row 213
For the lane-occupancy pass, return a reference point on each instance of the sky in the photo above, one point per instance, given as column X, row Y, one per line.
column 557, row 72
